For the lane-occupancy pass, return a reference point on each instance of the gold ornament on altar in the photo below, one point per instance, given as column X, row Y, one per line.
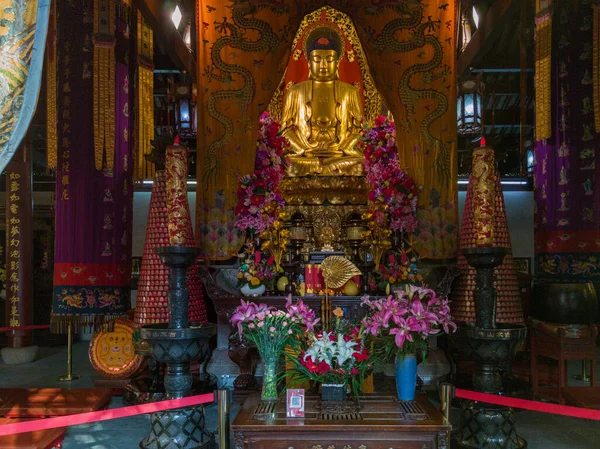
column 377, row 237
column 326, row 239
column 336, row 271
column 276, row 239
column 322, row 116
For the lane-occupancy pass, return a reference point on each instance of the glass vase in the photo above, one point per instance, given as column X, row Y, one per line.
column 269, row 387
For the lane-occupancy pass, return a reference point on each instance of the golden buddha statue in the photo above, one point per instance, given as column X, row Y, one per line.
column 322, row 116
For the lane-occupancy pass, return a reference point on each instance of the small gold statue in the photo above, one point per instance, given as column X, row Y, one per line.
column 322, row 116
column 326, row 238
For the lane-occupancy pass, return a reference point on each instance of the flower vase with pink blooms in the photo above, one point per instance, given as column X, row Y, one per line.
column 271, row 330
column 404, row 321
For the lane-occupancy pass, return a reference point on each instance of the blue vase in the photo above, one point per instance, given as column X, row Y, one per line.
column 406, row 377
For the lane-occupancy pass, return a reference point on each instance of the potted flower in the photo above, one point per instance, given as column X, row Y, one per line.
column 403, row 322
column 397, row 271
column 271, row 330
column 337, row 359
column 254, row 274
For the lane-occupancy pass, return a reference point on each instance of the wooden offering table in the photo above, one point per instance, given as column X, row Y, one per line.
column 382, row 422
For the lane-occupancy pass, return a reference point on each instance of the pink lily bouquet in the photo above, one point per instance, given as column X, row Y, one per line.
column 405, row 319
column 271, row 330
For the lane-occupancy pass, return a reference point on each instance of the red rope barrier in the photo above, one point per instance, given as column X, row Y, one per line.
column 535, row 406
column 24, row 328
column 104, row 415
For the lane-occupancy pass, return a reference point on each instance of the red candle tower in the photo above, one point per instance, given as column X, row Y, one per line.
column 152, row 303
column 508, row 304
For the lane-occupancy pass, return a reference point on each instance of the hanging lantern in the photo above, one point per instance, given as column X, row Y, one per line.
column 469, row 110
column 185, row 110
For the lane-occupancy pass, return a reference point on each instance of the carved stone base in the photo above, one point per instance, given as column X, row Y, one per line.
column 487, row 427
column 223, row 368
column 179, row 429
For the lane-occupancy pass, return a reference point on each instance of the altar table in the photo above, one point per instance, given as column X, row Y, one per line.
column 382, row 422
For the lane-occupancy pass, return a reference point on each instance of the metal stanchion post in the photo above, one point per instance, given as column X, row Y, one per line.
column 446, row 399
column 224, row 419
column 69, row 376
column 584, row 372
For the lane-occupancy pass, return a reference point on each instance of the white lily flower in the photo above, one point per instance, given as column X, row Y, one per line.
column 345, row 349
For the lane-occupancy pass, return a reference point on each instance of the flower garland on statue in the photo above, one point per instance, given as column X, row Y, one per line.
column 394, row 195
column 392, row 199
column 260, row 202
column 259, row 197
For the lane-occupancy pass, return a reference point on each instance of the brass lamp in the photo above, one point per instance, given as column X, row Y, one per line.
column 354, row 236
column 298, row 236
column 297, row 232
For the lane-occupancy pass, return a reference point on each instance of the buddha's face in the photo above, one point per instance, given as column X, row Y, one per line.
column 323, row 65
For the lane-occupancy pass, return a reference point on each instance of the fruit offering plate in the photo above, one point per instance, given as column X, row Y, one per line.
column 112, row 353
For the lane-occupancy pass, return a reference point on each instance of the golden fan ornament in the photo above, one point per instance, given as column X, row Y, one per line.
column 336, row 270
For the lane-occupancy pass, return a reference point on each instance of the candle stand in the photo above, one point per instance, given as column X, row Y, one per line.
column 485, row 426
column 176, row 344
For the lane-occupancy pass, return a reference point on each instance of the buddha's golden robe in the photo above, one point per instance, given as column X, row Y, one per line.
column 322, row 121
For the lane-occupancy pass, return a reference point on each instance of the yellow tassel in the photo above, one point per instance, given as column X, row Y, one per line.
column 596, row 62
column 104, row 84
column 543, row 59
column 145, row 102
column 51, row 96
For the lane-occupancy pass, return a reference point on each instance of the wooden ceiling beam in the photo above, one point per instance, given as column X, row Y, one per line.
column 491, row 26
column 159, row 18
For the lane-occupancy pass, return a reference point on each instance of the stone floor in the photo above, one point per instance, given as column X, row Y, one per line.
column 541, row 431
